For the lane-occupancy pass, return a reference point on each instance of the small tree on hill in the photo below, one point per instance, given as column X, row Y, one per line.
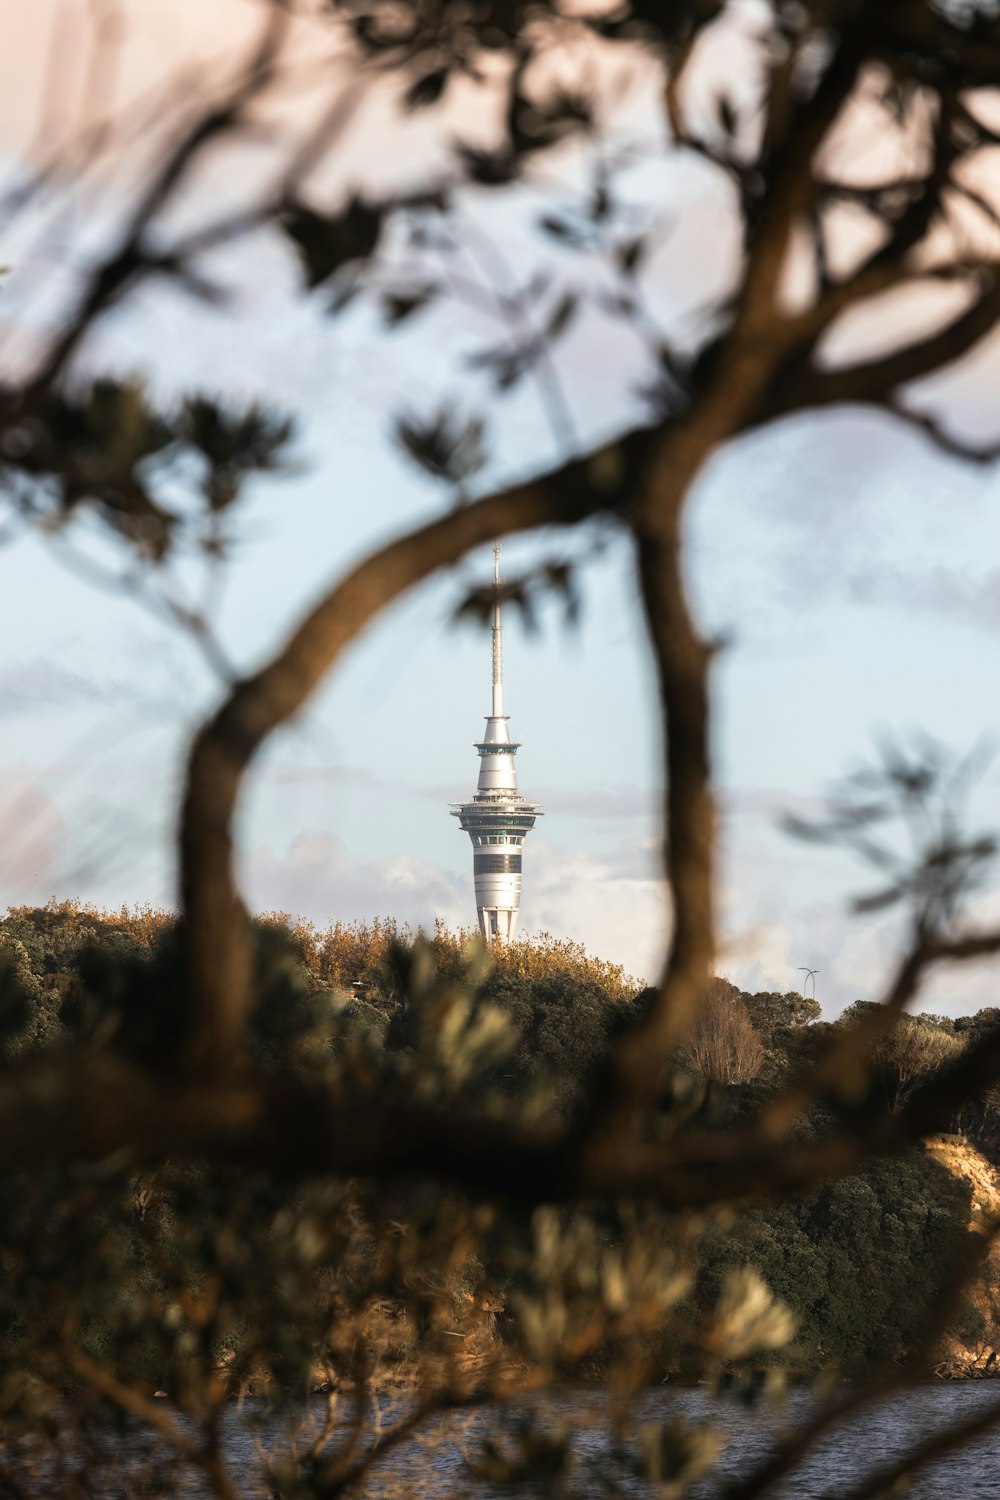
column 724, row 1046
column 911, row 1054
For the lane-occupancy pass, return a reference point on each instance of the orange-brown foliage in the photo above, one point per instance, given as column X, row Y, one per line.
column 145, row 923
column 343, row 952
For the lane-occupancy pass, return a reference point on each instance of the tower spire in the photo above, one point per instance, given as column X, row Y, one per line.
column 497, row 636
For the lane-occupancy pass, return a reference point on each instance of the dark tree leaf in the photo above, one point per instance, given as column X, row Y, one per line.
column 535, row 126
column 385, row 28
column 559, row 229
column 477, row 606
column 507, row 363
column 524, row 594
column 671, row 365
column 495, row 36
column 561, row 579
column 443, row 446
column 618, row 304
column 628, row 256
column 328, row 241
column 234, row 445
column 398, row 306
column 601, row 203
column 343, row 296
column 120, row 422
column 509, row 370
column 95, row 447
column 427, row 90
column 489, row 168
column 728, row 118
column 562, row 315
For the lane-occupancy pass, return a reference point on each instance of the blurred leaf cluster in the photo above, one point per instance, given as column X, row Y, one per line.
column 121, row 1279
column 108, row 448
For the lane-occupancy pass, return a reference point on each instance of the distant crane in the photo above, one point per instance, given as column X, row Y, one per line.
column 810, row 974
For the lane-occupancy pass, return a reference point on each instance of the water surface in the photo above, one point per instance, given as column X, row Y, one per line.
column 877, row 1438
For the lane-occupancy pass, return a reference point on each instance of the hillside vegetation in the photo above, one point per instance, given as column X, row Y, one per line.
column 182, row 1262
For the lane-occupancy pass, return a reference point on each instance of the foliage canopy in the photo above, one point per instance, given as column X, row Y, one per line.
column 213, row 1062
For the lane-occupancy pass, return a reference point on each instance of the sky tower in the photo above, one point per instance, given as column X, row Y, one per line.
column 498, row 817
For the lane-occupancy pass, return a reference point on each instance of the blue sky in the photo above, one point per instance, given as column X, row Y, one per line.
column 852, row 569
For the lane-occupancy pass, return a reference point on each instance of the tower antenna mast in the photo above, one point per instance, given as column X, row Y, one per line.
column 497, row 636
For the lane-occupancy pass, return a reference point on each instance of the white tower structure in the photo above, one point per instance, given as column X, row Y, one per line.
column 498, row 817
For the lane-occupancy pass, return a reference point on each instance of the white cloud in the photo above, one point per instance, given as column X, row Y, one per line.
column 32, row 839
column 760, row 956
column 569, row 892
column 614, row 904
column 318, row 878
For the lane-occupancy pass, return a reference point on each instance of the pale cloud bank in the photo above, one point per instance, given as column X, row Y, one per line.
column 32, row 840
column 47, row 683
column 317, row 877
column 568, row 892
column 614, row 904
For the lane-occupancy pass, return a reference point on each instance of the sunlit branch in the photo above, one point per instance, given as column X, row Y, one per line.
column 875, row 379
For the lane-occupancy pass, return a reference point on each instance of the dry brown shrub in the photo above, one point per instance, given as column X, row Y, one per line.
column 724, row 1047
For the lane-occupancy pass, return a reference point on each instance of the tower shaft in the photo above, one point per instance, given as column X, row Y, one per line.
column 498, row 818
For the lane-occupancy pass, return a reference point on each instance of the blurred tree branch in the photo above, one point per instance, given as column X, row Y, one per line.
column 770, row 140
column 763, row 365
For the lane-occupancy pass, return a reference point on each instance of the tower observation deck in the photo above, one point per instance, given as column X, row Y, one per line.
column 498, row 817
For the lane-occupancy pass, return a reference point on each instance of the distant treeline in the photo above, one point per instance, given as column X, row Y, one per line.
column 859, row 1262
